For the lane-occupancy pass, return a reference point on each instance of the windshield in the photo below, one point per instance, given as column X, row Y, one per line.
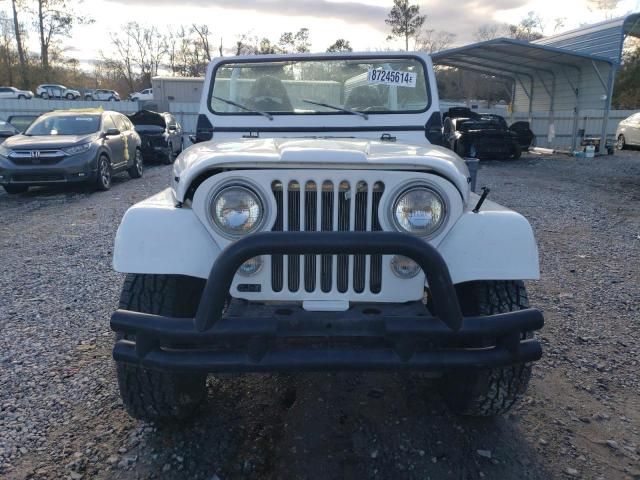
column 320, row 86
column 65, row 125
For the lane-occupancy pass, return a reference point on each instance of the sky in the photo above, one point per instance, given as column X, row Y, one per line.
column 359, row 21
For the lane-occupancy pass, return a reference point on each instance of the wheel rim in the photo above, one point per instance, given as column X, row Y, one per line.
column 139, row 162
column 105, row 173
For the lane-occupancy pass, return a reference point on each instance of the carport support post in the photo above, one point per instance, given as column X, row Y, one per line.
column 607, row 109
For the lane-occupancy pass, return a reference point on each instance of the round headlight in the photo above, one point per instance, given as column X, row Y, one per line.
column 404, row 267
column 236, row 211
column 419, row 210
column 250, row 267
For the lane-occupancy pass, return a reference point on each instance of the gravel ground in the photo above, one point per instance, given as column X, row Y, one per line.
column 61, row 417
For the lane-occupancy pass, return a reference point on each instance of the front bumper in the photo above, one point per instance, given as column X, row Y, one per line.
column 74, row 169
column 250, row 337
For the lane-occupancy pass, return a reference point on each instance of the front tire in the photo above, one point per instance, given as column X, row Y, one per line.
column 103, row 182
column 490, row 392
column 169, row 157
column 136, row 170
column 44, row 96
column 70, row 96
column 154, row 395
column 621, row 144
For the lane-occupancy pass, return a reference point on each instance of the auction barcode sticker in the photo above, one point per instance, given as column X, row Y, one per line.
column 392, row 77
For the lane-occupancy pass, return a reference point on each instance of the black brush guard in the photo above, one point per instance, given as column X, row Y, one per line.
column 250, row 337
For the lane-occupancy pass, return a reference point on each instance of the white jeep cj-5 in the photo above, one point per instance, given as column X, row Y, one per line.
column 316, row 226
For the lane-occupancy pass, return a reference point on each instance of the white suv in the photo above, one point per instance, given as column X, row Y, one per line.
column 316, row 227
column 56, row 91
column 103, row 95
column 14, row 93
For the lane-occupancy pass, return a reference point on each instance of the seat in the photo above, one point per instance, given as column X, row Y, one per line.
column 268, row 94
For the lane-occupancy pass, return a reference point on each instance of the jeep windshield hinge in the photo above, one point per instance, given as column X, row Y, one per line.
column 255, row 134
column 385, row 137
column 483, row 197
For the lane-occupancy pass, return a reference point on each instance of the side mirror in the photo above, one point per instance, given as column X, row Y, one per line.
column 111, row 132
column 192, row 139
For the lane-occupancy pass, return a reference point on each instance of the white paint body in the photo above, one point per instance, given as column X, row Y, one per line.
column 172, row 233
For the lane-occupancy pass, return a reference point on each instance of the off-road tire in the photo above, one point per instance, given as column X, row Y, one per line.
column 154, row 395
column 15, row 189
column 70, row 96
column 486, row 393
column 136, row 170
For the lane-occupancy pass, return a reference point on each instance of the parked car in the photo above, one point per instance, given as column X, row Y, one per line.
column 483, row 136
column 7, row 130
column 63, row 147
column 146, row 94
column 103, row 95
column 56, row 91
column 628, row 132
column 21, row 122
column 160, row 133
column 317, row 228
column 14, row 93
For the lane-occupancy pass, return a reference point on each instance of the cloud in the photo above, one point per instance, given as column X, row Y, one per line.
column 351, row 12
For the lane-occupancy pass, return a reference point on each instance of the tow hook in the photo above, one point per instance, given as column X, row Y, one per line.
column 483, row 197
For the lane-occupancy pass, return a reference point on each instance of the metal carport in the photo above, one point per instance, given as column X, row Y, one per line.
column 545, row 78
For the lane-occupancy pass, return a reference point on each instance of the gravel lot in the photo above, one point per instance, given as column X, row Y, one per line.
column 61, row 417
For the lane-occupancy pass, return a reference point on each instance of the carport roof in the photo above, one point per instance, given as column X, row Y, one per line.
column 506, row 56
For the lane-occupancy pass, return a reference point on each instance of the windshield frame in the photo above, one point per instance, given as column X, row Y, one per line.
column 319, row 58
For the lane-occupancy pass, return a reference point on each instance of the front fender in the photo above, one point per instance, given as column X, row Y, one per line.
column 156, row 237
column 494, row 244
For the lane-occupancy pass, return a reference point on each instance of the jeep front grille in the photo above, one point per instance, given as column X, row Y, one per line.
column 303, row 206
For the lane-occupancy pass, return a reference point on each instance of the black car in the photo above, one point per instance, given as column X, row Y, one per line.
column 161, row 135
column 483, row 136
column 61, row 147
column 7, row 130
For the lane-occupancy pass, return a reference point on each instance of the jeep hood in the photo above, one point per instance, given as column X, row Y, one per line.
column 330, row 153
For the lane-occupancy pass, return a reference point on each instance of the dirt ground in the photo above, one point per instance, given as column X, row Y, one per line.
column 61, row 416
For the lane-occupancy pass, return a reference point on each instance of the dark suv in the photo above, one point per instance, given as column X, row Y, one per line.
column 70, row 147
column 161, row 135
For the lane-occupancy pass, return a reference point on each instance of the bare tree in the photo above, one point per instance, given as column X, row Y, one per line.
column 203, row 35
column 246, row 44
column 488, row 32
column 54, row 18
column 17, row 32
column 529, row 28
column 7, row 52
column 405, row 20
column 608, row 7
column 433, row 41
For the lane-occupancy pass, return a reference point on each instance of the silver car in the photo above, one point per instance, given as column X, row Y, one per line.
column 628, row 132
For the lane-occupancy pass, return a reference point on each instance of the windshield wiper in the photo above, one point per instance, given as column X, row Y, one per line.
column 229, row 102
column 353, row 112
